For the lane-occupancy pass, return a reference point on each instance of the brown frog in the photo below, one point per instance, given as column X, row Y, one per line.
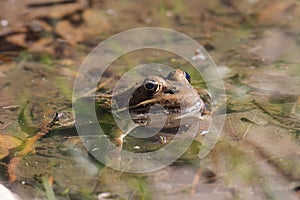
column 159, row 100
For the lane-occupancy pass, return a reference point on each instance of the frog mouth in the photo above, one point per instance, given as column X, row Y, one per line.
column 196, row 109
column 162, row 106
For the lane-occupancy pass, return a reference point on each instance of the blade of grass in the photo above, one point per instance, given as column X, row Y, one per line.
column 48, row 188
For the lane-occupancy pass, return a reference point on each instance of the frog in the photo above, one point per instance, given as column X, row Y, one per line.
column 171, row 97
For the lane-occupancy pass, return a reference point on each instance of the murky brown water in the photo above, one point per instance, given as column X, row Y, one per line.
column 256, row 45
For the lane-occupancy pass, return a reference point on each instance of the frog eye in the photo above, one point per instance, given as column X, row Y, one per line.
column 151, row 86
column 187, row 76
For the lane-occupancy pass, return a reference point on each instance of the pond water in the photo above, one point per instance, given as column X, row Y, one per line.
column 255, row 45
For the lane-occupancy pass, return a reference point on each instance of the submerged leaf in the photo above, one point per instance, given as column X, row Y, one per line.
column 3, row 153
column 7, row 142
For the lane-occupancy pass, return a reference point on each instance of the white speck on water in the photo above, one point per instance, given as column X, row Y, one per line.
column 103, row 195
column 95, row 149
column 136, row 147
column 204, row 133
column 4, row 22
column 110, row 11
column 198, row 55
column 201, row 57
